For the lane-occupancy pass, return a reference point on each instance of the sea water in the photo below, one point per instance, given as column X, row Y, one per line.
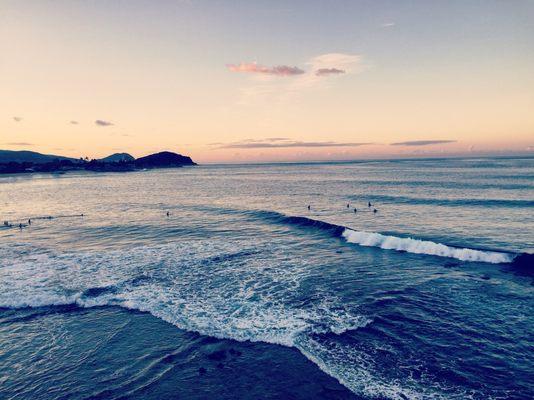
column 244, row 292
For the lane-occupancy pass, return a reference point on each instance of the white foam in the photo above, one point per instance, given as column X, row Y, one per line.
column 423, row 247
column 201, row 287
column 189, row 285
column 357, row 371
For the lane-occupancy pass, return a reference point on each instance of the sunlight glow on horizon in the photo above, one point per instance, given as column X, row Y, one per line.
column 219, row 82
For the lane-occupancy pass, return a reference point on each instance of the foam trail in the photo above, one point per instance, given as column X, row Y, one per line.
column 424, row 247
column 222, row 290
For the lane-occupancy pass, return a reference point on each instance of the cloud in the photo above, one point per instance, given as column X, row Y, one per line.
column 348, row 63
column 272, row 139
column 388, row 24
column 19, row 144
column 422, row 142
column 328, row 71
column 17, row 119
column 101, row 122
column 330, row 64
column 285, row 143
column 278, row 70
column 265, row 86
column 73, row 122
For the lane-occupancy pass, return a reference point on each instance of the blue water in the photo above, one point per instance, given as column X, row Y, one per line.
column 242, row 292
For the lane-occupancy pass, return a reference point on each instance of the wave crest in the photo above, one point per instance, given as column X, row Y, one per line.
column 389, row 242
column 424, row 247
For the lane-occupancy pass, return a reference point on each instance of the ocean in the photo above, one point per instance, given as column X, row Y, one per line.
column 242, row 292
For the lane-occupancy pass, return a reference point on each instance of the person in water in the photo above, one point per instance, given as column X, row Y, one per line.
column 168, row 214
column 309, row 207
column 355, row 210
column 348, row 205
column 369, row 204
column 375, row 210
column 29, row 221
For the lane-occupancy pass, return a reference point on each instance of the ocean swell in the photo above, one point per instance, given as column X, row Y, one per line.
column 424, row 247
column 221, row 289
column 389, row 242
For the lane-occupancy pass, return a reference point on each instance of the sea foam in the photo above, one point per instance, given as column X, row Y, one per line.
column 389, row 242
column 424, row 247
column 224, row 290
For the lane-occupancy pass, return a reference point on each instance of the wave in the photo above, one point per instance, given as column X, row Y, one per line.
column 388, row 242
column 224, row 290
column 460, row 202
column 445, row 184
column 219, row 289
column 417, row 246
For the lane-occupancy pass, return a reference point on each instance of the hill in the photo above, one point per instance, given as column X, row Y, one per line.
column 116, row 157
column 12, row 162
column 25, row 156
column 164, row 159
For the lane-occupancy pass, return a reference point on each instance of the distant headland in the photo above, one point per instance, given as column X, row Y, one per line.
column 12, row 162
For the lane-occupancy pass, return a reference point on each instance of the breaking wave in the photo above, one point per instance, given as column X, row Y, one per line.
column 224, row 290
column 417, row 246
column 388, row 242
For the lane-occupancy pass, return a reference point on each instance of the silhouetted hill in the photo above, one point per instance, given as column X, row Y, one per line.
column 25, row 156
column 116, row 157
column 164, row 159
column 12, row 162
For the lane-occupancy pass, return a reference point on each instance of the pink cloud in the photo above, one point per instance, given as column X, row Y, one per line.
column 100, row 122
column 329, row 71
column 279, row 70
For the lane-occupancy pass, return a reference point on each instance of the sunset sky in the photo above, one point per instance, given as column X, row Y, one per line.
column 241, row 81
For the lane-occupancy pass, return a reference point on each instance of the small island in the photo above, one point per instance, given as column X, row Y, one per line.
column 12, row 162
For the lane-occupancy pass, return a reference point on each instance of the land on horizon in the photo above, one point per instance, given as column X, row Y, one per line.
column 29, row 162
column 25, row 161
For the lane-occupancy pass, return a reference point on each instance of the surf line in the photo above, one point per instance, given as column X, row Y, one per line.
column 417, row 246
column 398, row 243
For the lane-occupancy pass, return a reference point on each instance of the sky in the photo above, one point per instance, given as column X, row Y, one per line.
column 260, row 81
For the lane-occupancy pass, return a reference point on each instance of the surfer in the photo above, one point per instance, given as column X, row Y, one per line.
column 369, row 204
column 29, row 221
column 355, row 210
column 375, row 210
column 309, row 207
column 168, row 214
column 348, row 205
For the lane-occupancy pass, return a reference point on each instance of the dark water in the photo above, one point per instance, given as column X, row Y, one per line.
column 243, row 293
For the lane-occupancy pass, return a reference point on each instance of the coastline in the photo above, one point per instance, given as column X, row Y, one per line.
column 31, row 162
